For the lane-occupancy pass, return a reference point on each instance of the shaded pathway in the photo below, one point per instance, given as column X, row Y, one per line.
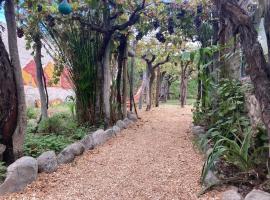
column 153, row 159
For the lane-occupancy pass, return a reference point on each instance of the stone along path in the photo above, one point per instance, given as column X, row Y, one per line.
column 153, row 159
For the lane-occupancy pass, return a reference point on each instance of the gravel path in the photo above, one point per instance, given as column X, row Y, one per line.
column 154, row 159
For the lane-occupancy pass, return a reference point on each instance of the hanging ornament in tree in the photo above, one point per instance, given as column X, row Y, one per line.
column 139, row 36
column 156, row 24
column 64, row 8
column 160, row 37
column 50, row 20
column 20, row 32
column 39, row 8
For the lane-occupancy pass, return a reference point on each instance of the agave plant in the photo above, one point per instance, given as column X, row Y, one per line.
column 232, row 151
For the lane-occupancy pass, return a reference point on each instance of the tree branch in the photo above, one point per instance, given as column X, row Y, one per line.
column 144, row 57
column 162, row 62
column 92, row 26
column 134, row 17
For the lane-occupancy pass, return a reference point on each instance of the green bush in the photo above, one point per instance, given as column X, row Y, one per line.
column 31, row 126
column 227, row 113
column 192, row 89
column 54, row 133
column 59, row 124
column 3, row 171
column 229, row 129
column 35, row 145
column 31, row 113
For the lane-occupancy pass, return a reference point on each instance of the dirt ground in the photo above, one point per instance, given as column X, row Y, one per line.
column 153, row 159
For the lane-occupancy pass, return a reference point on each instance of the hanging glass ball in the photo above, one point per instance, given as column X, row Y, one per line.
column 65, row 8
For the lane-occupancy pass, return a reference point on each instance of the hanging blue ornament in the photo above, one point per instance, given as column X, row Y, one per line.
column 64, row 8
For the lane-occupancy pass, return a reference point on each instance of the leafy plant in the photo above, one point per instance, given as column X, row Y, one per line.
column 37, row 144
column 31, row 113
column 3, row 171
column 60, row 123
column 72, row 105
column 232, row 151
column 227, row 115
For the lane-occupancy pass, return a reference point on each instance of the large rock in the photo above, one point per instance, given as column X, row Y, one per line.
column 211, row 179
column 99, row 137
column 132, row 116
column 198, row 130
column 47, row 162
column 121, row 124
column 19, row 174
column 116, row 130
column 258, row 195
column 109, row 133
column 88, row 142
column 70, row 152
column 231, row 195
column 128, row 122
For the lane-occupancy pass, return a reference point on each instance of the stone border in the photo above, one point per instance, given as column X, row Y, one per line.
column 25, row 170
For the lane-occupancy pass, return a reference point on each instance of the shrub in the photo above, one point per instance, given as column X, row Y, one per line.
column 60, row 123
column 37, row 144
column 3, row 171
column 228, row 116
column 79, row 133
column 31, row 126
column 229, row 130
column 31, row 113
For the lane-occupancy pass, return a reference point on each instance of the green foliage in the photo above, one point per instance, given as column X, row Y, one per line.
column 54, row 133
column 31, row 113
column 175, row 93
column 229, row 130
column 3, row 171
column 232, row 151
column 37, row 144
column 58, row 124
column 192, row 89
column 72, row 105
column 225, row 107
column 31, row 126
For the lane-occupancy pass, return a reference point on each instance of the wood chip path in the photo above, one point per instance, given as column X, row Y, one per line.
column 152, row 160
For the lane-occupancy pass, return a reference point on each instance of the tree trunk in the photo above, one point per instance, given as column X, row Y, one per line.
column 183, row 84
column 257, row 66
column 107, row 85
column 8, row 103
column 125, row 78
column 158, row 86
column 143, row 89
column 148, row 93
column 132, row 65
column 18, row 136
column 164, row 86
column 40, row 78
column 169, row 91
column 121, row 50
column 150, row 80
